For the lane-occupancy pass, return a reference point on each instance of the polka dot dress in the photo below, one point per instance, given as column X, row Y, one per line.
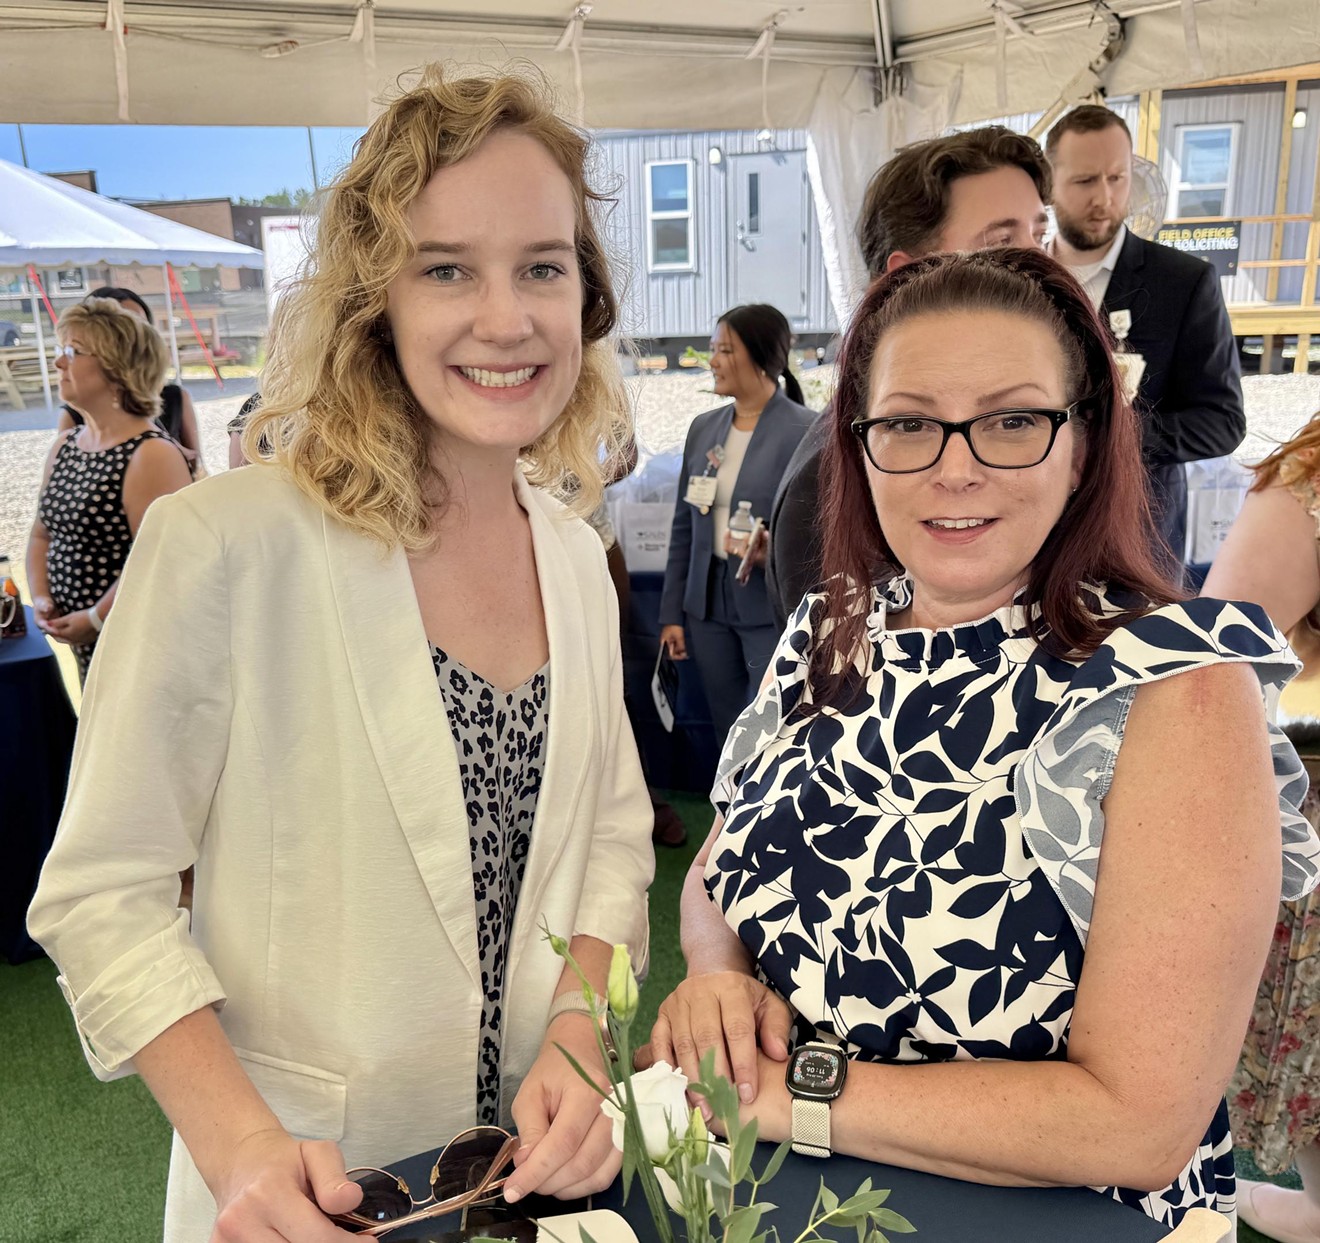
column 82, row 507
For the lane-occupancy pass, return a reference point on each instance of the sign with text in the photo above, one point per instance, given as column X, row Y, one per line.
column 1217, row 244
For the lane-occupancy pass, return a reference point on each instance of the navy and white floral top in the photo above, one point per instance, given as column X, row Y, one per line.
column 915, row 873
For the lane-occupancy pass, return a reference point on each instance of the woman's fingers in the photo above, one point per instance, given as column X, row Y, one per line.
column 774, row 1025
column 733, row 1016
column 332, row 1189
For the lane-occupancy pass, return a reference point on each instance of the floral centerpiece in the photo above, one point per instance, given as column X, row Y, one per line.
column 668, row 1150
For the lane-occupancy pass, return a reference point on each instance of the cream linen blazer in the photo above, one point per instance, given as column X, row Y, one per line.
column 263, row 705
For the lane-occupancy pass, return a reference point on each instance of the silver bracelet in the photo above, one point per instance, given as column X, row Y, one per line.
column 94, row 619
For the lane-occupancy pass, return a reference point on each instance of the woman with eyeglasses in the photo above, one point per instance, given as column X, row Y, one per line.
column 1001, row 838
column 370, row 689
column 102, row 473
column 177, row 417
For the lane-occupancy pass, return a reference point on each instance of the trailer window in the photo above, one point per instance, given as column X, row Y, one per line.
column 669, row 216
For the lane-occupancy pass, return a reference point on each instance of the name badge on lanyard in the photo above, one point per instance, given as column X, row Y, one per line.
column 701, row 488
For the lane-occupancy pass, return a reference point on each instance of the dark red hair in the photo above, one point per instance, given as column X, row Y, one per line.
column 1105, row 535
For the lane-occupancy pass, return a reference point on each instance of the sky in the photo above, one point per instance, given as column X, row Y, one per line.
column 182, row 161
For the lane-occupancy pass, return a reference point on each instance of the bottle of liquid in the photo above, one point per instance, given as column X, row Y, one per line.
column 13, row 621
column 740, row 525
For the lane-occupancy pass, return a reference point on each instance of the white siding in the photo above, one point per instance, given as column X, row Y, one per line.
column 687, row 304
column 1259, row 110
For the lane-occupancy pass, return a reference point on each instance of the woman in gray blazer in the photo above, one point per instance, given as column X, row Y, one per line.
column 733, row 454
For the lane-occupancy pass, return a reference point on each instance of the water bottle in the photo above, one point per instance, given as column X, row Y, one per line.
column 13, row 623
column 741, row 521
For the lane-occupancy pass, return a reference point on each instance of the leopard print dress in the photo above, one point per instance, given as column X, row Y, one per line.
column 501, row 741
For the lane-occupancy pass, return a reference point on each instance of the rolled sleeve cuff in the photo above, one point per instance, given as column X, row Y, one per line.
column 619, row 922
column 131, row 1003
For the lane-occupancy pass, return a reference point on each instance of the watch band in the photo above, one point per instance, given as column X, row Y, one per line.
column 572, row 1002
column 575, row 1003
column 811, row 1127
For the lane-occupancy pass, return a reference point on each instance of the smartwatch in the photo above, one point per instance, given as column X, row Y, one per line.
column 815, row 1077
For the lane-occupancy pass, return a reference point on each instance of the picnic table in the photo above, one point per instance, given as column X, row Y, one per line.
column 20, row 372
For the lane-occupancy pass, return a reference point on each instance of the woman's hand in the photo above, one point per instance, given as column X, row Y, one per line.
column 567, row 1146
column 278, row 1190
column 773, row 1107
column 44, row 611
column 71, row 628
column 735, row 545
column 675, row 642
column 746, row 1024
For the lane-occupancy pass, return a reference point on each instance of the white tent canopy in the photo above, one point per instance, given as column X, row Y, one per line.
column 863, row 76
column 49, row 223
column 681, row 65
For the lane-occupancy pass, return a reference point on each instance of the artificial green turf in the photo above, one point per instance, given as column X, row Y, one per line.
column 85, row 1162
column 80, row 1161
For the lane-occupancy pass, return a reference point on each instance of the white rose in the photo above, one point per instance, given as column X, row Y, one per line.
column 661, row 1095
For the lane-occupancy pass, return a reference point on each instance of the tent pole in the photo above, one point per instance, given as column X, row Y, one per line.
column 169, row 319
column 41, row 341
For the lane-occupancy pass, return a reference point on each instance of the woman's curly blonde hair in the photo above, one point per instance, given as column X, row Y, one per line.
column 131, row 352
column 336, row 411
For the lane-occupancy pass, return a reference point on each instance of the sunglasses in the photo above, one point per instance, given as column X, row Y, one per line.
column 470, row 1169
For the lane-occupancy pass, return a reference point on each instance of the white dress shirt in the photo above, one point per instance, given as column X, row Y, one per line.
column 1094, row 277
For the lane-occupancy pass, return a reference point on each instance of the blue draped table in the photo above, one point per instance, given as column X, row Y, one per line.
column 37, row 726
column 943, row 1210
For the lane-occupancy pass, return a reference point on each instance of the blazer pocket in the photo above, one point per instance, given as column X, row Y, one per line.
column 309, row 1102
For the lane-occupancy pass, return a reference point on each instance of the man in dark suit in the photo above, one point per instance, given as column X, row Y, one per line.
column 969, row 191
column 1163, row 305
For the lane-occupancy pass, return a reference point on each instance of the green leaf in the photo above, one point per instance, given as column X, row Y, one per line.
column 629, row 1169
column 890, row 1220
column 863, row 1203
column 586, row 1238
column 577, row 1066
column 713, row 1172
column 828, row 1199
column 776, row 1160
column 744, row 1149
column 742, row 1223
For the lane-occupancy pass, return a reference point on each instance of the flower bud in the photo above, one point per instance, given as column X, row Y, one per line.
column 558, row 944
column 622, row 986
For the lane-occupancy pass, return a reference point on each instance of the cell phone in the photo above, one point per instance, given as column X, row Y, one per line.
column 760, row 534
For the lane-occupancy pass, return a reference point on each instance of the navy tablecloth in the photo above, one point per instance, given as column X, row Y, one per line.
column 37, row 725
column 943, row 1210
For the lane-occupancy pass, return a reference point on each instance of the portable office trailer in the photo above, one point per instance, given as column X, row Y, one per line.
column 1220, row 150
column 707, row 220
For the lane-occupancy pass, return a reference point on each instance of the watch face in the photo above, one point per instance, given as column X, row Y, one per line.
column 817, row 1074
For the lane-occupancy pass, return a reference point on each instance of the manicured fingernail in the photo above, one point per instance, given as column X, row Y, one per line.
column 706, row 1111
column 512, row 1194
column 745, row 1093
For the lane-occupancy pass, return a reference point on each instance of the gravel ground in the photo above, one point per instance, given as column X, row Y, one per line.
column 666, row 403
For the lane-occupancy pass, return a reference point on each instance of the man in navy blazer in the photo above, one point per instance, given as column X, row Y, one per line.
column 1161, row 304
column 969, row 191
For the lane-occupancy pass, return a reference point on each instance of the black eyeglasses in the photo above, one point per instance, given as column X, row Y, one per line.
column 469, row 1170
column 1003, row 439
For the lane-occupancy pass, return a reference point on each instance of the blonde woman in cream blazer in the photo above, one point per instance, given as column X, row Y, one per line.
column 313, row 780
column 265, row 708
